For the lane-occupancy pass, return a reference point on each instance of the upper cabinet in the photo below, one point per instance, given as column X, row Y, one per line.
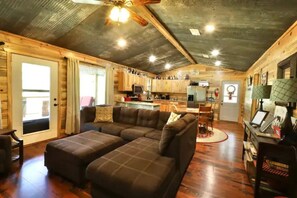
column 126, row 80
column 170, row 86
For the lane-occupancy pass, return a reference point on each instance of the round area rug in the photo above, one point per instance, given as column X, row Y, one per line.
column 212, row 137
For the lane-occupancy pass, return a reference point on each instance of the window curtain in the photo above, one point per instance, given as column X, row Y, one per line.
column 73, row 97
column 109, row 86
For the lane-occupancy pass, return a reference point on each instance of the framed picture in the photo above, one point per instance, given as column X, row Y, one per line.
column 259, row 117
column 264, row 78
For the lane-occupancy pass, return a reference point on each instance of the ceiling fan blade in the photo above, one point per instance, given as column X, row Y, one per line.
column 138, row 19
column 93, row 2
column 144, row 2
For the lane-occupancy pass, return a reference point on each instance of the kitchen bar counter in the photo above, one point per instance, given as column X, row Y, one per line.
column 139, row 105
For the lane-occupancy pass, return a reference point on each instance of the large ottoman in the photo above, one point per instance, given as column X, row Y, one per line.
column 132, row 171
column 70, row 156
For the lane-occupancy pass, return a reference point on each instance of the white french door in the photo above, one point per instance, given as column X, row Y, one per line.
column 230, row 101
column 34, row 98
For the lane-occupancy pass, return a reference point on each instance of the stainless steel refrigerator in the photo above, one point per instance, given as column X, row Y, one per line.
column 195, row 96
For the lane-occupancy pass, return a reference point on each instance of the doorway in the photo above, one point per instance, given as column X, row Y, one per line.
column 230, row 101
column 34, row 98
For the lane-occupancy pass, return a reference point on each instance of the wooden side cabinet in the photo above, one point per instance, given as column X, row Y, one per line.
column 126, row 80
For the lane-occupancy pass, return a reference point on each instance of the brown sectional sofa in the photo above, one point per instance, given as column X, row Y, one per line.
column 151, row 163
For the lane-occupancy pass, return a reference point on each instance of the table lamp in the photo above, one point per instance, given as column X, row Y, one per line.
column 285, row 91
column 261, row 92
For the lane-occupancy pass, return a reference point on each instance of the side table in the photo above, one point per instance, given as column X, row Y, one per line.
column 18, row 143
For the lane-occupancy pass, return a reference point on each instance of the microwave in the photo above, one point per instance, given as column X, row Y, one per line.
column 137, row 89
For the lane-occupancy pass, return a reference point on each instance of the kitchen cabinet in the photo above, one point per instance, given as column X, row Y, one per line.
column 126, row 80
column 170, row 86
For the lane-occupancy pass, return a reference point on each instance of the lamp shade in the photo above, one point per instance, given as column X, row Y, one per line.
column 261, row 91
column 284, row 90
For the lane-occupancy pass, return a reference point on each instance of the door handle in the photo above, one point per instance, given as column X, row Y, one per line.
column 56, row 105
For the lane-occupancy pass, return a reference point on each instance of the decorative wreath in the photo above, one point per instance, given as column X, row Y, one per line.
column 231, row 89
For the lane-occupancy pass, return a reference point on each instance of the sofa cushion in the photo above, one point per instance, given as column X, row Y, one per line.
column 188, row 118
column 128, row 115
column 135, row 132
column 133, row 170
column 163, row 118
column 173, row 117
column 104, row 114
column 114, row 128
column 89, row 114
column 155, row 134
column 116, row 114
column 92, row 126
column 147, row 118
column 168, row 133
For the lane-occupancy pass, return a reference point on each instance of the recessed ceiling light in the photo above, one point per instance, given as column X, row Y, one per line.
column 218, row 63
column 152, row 58
column 209, row 28
column 195, row 32
column 215, row 52
column 167, row 66
column 122, row 42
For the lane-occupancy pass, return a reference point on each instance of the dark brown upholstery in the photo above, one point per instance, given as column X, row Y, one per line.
column 135, row 132
column 147, row 118
column 133, row 170
column 155, row 135
column 115, row 128
column 168, row 133
column 128, row 116
column 96, row 126
column 116, row 114
column 5, row 154
column 70, row 156
column 123, row 172
column 163, row 118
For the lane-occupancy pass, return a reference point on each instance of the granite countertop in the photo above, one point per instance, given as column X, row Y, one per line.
column 140, row 103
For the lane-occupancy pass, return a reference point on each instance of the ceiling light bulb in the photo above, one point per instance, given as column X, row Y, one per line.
column 152, row 58
column 209, row 28
column 215, row 52
column 124, row 15
column 218, row 63
column 115, row 13
column 122, row 42
column 167, row 66
column 119, row 14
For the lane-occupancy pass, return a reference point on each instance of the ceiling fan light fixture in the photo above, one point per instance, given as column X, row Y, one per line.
column 119, row 14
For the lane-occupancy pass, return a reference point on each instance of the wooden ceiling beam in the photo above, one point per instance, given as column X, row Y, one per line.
column 159, row 26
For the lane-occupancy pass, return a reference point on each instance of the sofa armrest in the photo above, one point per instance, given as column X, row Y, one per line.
column 5, row 145
column 182, row 147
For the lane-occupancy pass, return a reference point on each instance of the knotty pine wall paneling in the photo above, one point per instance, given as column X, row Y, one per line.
column 284, row 47
column 215, row 76
column 29, row 47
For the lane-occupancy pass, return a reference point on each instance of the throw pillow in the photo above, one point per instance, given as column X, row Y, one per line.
column 173, row 117
column 104, row 114
column 168, row 133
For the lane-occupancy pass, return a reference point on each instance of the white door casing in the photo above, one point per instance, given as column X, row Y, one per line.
column 230, row 101
column 17, row 105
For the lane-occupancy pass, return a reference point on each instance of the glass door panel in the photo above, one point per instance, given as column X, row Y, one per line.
column 36, row 97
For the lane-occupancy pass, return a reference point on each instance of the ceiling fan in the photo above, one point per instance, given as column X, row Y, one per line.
column 121, row 9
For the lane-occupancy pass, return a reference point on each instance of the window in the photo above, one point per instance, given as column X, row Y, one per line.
column 230, row 93
column 92, row 85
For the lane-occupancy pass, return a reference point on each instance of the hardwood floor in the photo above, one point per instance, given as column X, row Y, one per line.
column 215, row 171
